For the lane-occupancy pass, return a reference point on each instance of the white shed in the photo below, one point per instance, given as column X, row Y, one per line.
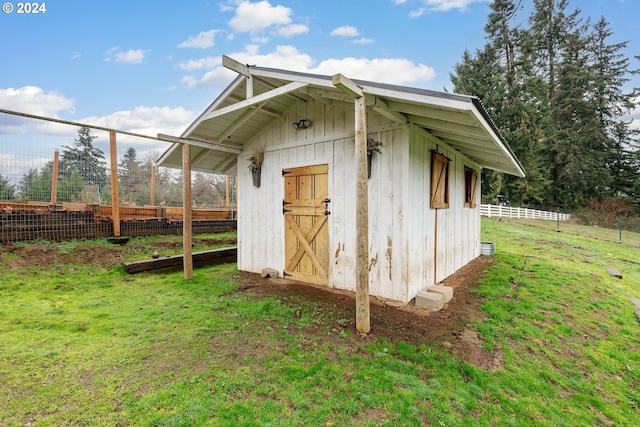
column 423, row 189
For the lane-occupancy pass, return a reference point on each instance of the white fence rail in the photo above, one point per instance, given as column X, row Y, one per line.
column 520, row 213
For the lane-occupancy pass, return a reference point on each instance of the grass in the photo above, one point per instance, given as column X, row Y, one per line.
column 86, row 344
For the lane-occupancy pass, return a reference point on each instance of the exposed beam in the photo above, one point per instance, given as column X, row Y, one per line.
column 226, row 164
column 270, row 85
column 239, row 122
column 236, row 66
column 457, row 116
column 256, row 100
column 449, row 127
column 331, row 95
column 199, row 143
column 381, row 107
column 347, row 85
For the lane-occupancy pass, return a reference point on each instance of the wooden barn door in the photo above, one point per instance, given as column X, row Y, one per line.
column 306, row 232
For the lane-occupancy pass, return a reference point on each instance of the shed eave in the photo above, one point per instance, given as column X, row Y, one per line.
column 458, row 120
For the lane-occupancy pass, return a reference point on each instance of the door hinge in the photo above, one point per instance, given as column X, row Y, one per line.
column 327, row 212
column 284, row 205
column 285, row 274
column 284, row 172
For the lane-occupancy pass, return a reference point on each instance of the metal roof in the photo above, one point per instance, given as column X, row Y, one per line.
column 219, row 134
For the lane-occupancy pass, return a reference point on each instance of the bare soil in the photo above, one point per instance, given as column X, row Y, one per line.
column 451, row 327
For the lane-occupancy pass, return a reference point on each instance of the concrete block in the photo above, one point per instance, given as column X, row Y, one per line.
column 429, row 300
column 445, row 291
column 271, row 273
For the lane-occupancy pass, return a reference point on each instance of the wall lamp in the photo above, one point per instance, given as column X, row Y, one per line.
column 302, row 124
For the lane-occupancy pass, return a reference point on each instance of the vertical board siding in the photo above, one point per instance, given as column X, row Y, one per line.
column 401, row 223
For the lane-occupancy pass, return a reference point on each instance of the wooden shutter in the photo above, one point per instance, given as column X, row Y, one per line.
column 470, row 186
column 439, row 181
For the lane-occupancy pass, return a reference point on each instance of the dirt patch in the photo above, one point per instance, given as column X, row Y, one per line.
column 450, row 327
column 34, row 255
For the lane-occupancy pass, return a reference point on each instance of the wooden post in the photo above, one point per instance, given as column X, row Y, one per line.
column 115, row 200
column 363, row 319
column 153, row 186
column 186, row 213
column 54, row 180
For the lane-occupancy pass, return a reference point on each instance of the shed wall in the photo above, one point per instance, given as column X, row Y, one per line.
column 401, row 231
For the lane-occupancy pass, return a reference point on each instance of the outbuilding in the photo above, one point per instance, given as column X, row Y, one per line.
column 297, row 208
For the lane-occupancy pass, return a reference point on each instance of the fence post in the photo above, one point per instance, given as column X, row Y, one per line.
column 152, row 200
column 620, row 227
column 115, row 200
column 187, row 239
column 54, row 180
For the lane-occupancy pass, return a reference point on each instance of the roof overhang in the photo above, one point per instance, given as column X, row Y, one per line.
column 260, row 95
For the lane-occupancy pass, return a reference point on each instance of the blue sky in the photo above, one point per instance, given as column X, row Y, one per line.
column 151, row 66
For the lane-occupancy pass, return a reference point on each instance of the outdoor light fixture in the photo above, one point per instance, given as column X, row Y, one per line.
column 302, row 124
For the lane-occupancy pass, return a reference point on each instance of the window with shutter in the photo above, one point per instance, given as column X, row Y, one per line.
column 439, row 181
column 470, row 185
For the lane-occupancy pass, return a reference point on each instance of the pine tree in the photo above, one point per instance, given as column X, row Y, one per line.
column 7, row 191
column 86, row 159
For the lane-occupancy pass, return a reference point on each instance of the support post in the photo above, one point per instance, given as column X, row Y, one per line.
column 186, row 213
column 115, row 199
column 152, row 197
column 54, row 180
column 363, row 318
column 226, row 191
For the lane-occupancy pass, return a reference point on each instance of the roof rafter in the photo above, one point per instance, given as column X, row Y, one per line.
column 256, row 100
column 200, row 143
column 379, row 106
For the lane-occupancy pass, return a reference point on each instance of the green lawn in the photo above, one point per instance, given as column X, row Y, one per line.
column 87, row 344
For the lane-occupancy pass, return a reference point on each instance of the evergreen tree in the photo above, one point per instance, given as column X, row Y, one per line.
column 130, row 174
column 555, row 90
column 7, row 191
column 87, row 159
column 26, row 182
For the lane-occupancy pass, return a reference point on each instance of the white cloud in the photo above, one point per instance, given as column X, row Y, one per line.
column 293, row 29
column 129, row 57
column 345, row 31
column 76, row 56
column 251, row 17
column 363, row 40
column 634, row 115
column 287, row 57
column 387, row 70
column 34, row 100
column 203, row 40
column 445, row 5
column 146, row 120
column 417, row 13
column 218, row 77
column 199, row 64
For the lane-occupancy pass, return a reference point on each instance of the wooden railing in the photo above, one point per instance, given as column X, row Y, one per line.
column 521, row 213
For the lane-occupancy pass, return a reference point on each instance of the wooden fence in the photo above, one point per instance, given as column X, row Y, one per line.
column 521, row 213
column 27, row 221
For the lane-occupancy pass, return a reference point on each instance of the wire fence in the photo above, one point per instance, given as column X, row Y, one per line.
column 58, row 180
